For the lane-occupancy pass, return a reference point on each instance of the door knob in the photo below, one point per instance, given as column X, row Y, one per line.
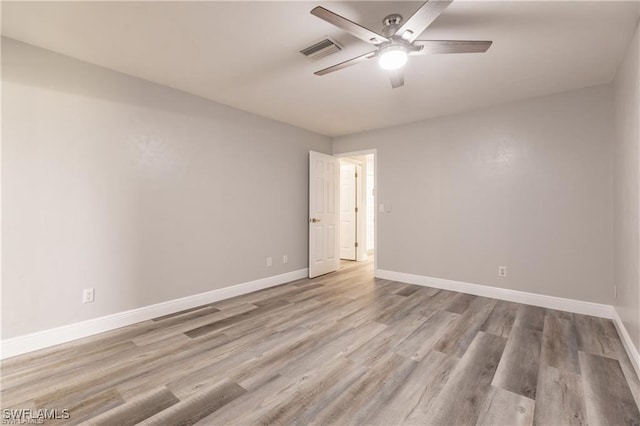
column 314, row 220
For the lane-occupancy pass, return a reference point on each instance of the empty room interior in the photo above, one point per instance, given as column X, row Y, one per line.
column 320, row 213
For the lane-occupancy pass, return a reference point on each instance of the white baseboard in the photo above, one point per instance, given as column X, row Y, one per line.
column 66, row 333
column 631, row 349
column 551, row 302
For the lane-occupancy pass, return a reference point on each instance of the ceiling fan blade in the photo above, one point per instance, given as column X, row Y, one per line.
column 450, row 46
column 349, row 26
column 397, row 78
column 422, row 18
column 347, row 63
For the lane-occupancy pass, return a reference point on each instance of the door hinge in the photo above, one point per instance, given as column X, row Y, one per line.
column 356, row 244
column 356, row 174
column 356, row 210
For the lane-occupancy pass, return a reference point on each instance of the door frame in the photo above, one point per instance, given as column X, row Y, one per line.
column 375, row 198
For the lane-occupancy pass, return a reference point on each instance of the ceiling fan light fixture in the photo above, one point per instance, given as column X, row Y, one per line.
column 393, row 57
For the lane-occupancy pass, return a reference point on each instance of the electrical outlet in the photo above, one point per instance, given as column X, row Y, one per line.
column 502, row 271
column 285, row 259
column 269, row 261
column 88, row 295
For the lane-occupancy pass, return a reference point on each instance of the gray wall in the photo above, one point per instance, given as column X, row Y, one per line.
column 145, row 193
column 626, row 190
column 527, row 185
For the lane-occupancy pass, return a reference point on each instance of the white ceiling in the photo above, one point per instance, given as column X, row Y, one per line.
column 246, row 54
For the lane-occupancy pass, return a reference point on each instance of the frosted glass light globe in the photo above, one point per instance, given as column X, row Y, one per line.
column 393, row 57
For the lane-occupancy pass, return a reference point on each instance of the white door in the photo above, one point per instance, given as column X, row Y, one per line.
column 348, row 211
column 324, row 178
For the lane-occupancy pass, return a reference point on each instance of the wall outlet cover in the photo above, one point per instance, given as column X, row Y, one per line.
column 502, row 271
column 88, row 295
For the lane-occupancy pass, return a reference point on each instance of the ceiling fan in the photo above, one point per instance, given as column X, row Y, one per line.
column 399, row 40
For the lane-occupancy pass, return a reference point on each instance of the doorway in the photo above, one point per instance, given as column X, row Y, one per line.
column 357, row 206
column 350, row 202
column 324, row 210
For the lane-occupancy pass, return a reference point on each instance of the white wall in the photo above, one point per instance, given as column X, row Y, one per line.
column 626, row 190
column 142, row 192
column 527, row 185
column 370, row 202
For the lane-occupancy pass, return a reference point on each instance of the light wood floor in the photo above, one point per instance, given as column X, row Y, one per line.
column 342, row 349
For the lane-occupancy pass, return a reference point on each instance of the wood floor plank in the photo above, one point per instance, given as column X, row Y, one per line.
column 559, row 398
column 317, row 315
column 591, row 336
column 632, row 378
column 311, row 294
column 502, row 407
column 342, row 346
column 136, row 410
column 275, row 319
column 501, row 319
column 363, row 293
column 57, row 368
column 214, row 348
column 371, row 390
column 314, row 390
column 409, row 307
column 248, row 407
column 518, row 368
column 560, row 344
column 459, row 303
column 287, row 356
column 461, row 398
column 160, row 332
column 387, row 341
column 559, row 314
column 420, row 342
column 407, row 291
column 83, row 409
column 249, row 298
column 370, row 312
column 51, row 389
column 461, row 333
column 530, row 317
column 198, row 406
column 201, row 310
column 221, row 361
column 607, row 395
column 440, row 299
column 222, row 323
column 287, row 294
column 151, row 363
column 413, row 399
column 72, row 350
column 178, row 320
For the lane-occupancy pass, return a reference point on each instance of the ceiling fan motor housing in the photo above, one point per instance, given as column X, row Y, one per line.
column 391, row 24
column 396, row 42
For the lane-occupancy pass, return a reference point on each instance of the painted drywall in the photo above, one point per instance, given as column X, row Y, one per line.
column 626, row 190
column 526, row 185
column 370, row 203
column 142, row 192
